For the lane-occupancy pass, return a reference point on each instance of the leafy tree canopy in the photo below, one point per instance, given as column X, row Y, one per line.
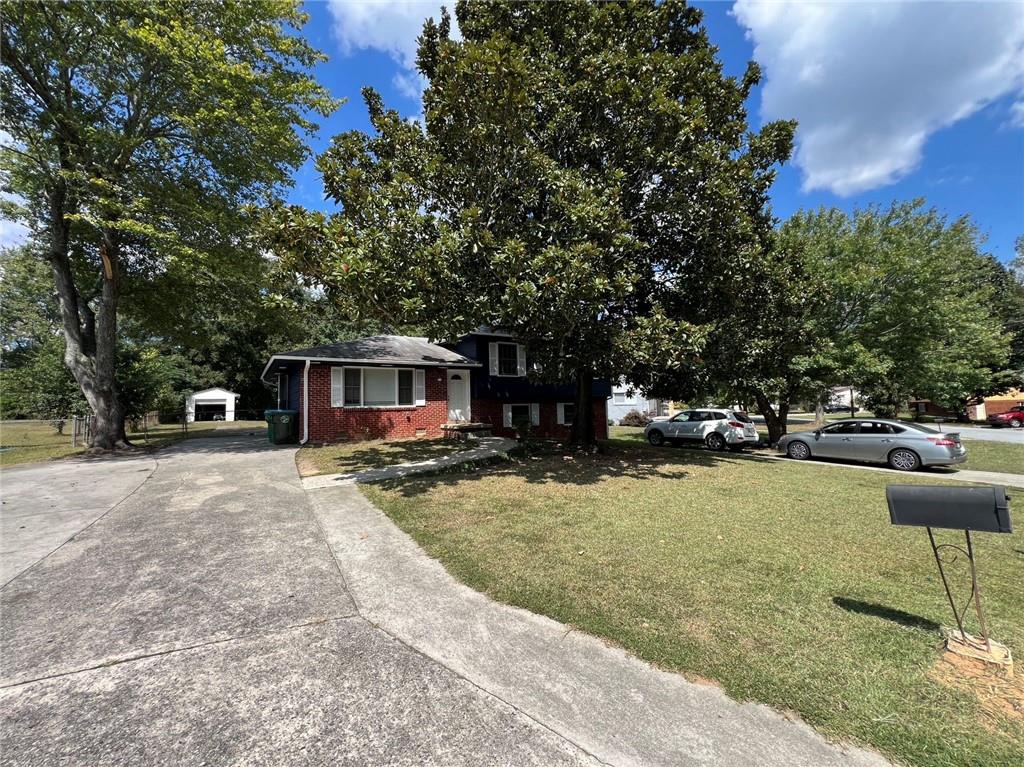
column 140, row 135
column 899, row 302
column 582, row 168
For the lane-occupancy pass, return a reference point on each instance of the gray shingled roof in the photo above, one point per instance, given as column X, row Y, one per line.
column 384, row 350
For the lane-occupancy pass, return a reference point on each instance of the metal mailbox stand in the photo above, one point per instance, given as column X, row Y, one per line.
column 975, row 590
column 978, row 509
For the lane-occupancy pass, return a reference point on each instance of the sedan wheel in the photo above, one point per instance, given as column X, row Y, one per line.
column 656, row 438
column 798, row 451
column 904, row 460
column 715, row 441
column 1016, row 423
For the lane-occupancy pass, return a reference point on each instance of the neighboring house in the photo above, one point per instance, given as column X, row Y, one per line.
column 625, row 398
column 999, row 403
column 391, row 387
column 919, row 407
column 211, row 405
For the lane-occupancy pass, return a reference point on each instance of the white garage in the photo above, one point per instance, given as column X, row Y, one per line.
column 211, row 405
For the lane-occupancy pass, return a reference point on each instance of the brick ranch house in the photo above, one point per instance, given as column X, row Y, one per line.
column 396, row 387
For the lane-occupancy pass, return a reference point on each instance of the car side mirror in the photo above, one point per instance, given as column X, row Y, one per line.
column 817, row 433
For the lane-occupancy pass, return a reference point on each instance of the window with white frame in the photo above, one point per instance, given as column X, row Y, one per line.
column 623, row 398
column 377, row 387
column 508, row 359
column 566, row 413
column 515, row 415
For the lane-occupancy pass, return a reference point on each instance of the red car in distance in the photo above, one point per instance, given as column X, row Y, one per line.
column 1013, row 417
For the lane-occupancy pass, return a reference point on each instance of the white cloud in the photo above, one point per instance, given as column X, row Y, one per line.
column 391, row 26
column 1017, row 114
column 869, row 82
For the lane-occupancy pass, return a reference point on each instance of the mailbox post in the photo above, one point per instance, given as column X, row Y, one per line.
column 978, row 509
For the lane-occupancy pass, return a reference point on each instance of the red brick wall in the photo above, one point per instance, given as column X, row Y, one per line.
column 490, row 412
column 327, row 423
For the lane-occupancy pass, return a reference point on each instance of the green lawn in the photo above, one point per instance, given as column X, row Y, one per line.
column 994, row 456
column 31, row 441
column 783, row 582
column 371, row 454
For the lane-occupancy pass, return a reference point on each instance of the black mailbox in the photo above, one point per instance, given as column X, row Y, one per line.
column 982, row 509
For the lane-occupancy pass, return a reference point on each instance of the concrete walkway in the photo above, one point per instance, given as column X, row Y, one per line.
column 486, row 449
column 958, row 475
column 611, row 705
column 45, row 504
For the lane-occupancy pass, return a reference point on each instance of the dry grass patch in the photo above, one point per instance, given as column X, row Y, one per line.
column 345, row 457
column 782, row 582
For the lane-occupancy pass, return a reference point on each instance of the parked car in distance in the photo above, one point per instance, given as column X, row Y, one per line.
column 836, row 407
column 717, row 428
column 901, row 445
column 1014, row 417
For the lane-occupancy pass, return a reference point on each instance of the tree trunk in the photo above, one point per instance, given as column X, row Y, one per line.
column 582, row 433
column 775, row 421
column 90, row 350
column 819, row 413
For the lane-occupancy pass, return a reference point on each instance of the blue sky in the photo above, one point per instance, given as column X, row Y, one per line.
column 895, row 100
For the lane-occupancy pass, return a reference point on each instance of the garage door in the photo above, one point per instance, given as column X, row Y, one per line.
column 209, row 411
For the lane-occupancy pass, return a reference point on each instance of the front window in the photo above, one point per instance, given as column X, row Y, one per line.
column 378, row 387
column 353, row 387
column 508, row 359
column 569, row 413
column 520, row 414
column 405, row 387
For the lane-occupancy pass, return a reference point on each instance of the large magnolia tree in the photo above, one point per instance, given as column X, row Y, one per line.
column 585, row 178
column 138, row 134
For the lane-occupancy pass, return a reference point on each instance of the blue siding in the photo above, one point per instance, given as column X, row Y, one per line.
column 509, row 389
column 294, row 372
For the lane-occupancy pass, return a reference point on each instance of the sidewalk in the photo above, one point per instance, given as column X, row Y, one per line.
column 611, row 705
column 487, row 448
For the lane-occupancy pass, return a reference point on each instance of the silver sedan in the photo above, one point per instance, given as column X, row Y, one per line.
column 901, row 445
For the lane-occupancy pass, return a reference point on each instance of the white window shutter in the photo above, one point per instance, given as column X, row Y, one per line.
column 521, row 350
column 420, row 387
column 492, row 356
column 506, row 415
column 337, row 387
column 561, row 412
column 535, row 413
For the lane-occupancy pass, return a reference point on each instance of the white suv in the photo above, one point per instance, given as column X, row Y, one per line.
column 718, row 428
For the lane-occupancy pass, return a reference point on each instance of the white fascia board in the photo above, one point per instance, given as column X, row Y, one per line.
column 371, row 363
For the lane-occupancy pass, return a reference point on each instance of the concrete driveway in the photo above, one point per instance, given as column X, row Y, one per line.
column 203, row 621
column 221, row 615
column 43, row 505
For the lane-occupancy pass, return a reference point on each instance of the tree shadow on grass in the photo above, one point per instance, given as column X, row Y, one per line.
column 886, row 613
column 354, row 457
column 621, row 459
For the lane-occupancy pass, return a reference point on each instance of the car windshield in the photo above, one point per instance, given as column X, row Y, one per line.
column 741, row 417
